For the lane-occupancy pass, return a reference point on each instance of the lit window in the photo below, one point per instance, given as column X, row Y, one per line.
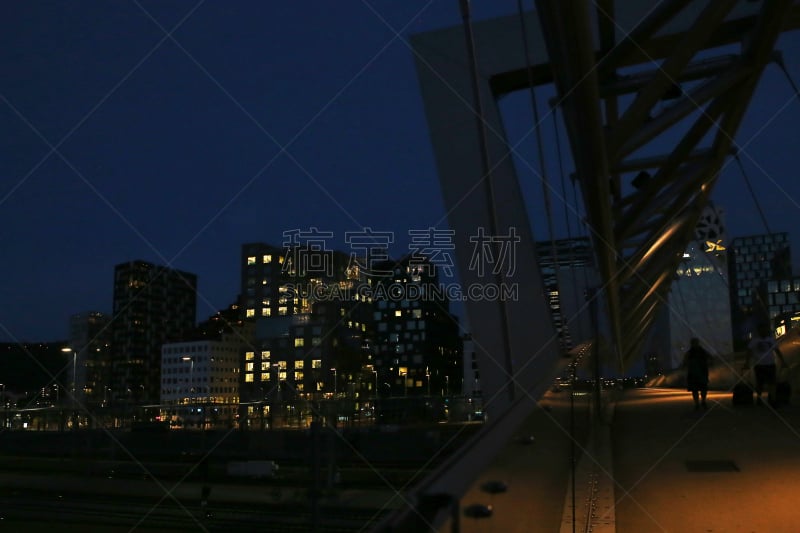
column 299, row 386
column 248, row 378
column 298, row 342
column 316, row 363
column 248, row 356
column 266, row 311
column 265, row 355
column 264, row 366
column 398, row 313
column 282, row 365
column 250, row 313
column 298, row 375
column 251, row 260
column 267, row 258
column 282, row 311
column 298, row 365
column 282, row 375
column 249, row 367
column 265, row 376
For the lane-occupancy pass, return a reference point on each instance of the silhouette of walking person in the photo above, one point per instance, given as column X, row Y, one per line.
column 762, row 353
column 696, row 361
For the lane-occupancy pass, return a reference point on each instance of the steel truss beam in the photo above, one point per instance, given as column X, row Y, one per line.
column 641, row 232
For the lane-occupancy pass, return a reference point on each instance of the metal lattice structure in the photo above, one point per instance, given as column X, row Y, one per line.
column 643, row 211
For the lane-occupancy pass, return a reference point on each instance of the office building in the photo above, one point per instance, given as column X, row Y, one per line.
column 417, row 343
column 200, row 377
column 89, row 341
column 568, row 273
column 151, row 305
column 282, row 281
column 753, row 261
column 698, row 304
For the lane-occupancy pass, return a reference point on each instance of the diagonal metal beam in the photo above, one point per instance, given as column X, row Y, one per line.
column 670, row 199
column 631, row 216
column 687, row 105
column 632, row 43
column 697, row 70
column 670, row 70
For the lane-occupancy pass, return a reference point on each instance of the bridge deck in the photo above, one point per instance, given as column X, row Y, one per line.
column 674, row 469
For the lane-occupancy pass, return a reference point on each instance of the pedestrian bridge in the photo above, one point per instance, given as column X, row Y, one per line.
column 645, row 172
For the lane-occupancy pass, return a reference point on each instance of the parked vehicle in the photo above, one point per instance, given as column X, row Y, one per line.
column 252, row 469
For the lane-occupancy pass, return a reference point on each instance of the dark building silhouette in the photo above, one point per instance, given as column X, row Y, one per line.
column 90, row 335
column 40, row 370
column 151, row 305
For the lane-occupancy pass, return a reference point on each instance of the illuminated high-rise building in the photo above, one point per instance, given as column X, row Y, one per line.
column 754, row 260
column 698, row 304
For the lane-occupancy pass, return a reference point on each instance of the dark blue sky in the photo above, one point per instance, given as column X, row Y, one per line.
column 171, row 150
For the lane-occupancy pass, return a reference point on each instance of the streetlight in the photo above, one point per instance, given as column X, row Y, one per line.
column 5, row 406
column 334, row 382
column 67, row 349
column 376, row 382
column 428, row 376
column 190, row 359
column 404, row 373
column 73, row 400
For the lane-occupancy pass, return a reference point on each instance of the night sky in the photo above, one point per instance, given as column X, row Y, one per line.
column 176, row 131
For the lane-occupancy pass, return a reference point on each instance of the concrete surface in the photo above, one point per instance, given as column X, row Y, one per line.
column 655, row 432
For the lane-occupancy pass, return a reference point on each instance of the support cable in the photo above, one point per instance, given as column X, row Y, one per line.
column 782, row 65
column 562, row 174
column 752, row 192
column 542, row 173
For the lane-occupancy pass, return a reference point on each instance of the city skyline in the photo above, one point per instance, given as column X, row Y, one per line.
column 168, row 145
